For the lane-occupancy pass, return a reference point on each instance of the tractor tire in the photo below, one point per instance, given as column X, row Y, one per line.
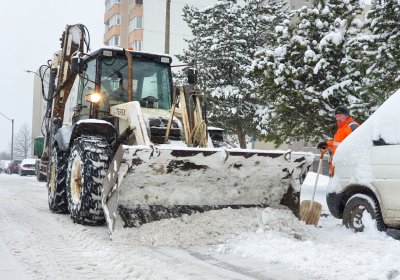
column 87, row 166
column 56, row 182
column 356, row 209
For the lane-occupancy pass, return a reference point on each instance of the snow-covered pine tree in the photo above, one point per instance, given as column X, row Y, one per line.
column 377, row 51
column 305, row 78
column 226, row 37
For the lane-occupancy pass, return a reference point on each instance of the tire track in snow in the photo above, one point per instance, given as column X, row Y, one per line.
column 224, row 265
column 38, row 236
column 204, row 266
column 52, row 243
column 253, row 268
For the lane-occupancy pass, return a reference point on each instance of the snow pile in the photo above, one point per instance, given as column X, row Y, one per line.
column 328, row 252
column 276, row 236
column 208, row 228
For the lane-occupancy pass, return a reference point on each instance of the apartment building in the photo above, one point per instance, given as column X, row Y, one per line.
column 140, row 24
column 38, row 104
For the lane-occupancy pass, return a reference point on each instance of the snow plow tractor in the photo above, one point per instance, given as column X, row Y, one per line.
column 123, row 146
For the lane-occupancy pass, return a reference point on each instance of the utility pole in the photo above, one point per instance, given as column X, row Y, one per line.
column 167, row 25
column 12, row 134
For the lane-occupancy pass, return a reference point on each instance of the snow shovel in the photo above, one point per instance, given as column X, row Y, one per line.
column 310, row 210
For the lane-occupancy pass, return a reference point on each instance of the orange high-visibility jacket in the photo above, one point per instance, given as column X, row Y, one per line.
column 342, row 132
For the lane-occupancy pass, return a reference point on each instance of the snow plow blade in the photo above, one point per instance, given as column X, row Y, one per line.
column 148, row 183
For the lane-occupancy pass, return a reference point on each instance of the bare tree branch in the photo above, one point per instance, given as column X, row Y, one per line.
column 23, row 142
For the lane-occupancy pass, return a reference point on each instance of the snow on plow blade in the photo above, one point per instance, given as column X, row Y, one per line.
column 145, row 184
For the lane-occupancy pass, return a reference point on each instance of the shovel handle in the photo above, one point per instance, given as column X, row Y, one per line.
column 321, row 157
column 322, row 152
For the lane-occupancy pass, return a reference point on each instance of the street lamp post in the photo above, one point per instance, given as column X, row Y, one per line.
column 33, row 72
column 40, row 71
column 12, row 134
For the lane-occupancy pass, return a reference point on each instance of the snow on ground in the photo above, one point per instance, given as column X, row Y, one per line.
column 224, row 244
column 329, row 251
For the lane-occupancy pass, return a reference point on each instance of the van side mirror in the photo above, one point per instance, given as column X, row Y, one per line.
column 192, row 76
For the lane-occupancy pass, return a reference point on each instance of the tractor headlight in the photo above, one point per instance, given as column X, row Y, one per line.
column 93, row 97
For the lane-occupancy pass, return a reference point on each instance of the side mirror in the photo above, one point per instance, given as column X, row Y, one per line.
column 78, row 65
column 192, row 76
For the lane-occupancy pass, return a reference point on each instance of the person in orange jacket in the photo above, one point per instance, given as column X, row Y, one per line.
column 346, row 125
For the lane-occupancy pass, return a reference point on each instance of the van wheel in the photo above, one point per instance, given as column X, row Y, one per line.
column 361, row 208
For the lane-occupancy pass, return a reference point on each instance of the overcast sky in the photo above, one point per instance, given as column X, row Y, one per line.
column 30, row 32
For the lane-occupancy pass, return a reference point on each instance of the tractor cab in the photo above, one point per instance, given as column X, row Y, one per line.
column 112, row 76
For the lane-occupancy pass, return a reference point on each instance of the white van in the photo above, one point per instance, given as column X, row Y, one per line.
column 366, row 181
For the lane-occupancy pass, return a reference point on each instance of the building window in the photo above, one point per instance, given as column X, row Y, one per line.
column 114, row 41
column 114, row 20
column 110, row 3
column 136, row 23
column 139, row 2
column 306, row 1
column 137, row 45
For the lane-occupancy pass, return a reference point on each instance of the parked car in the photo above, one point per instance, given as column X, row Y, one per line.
column 365, row 188
column 27, row 167
column 3, row 165
column 13, row 166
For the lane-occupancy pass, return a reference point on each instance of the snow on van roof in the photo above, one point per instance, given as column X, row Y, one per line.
column 381, row 125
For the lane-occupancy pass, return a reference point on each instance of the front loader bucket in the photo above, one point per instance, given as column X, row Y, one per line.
column 147, row 183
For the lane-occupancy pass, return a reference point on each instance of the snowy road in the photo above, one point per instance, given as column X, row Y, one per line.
column 244, row 244
column 36, row 244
